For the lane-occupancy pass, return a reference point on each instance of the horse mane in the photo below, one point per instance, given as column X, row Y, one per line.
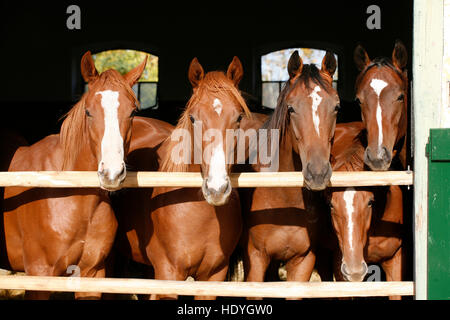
column 380, row 62
column 73, row 129
column 214, row 83
column 279, row 119
column 72, row 133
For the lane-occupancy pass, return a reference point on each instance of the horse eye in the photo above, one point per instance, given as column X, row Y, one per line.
column 401, row 97
column 239, row 118
column 133, row 113
column 337, row 108
column 358, row 101
column 87, row 113
column 370, row 204
column 290, row 109
column 192, row 118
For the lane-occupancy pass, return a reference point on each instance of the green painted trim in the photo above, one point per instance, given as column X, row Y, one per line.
column 439, row 215
column 440, row 145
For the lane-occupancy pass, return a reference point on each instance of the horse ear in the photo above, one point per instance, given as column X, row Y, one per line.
column 399, row 55
column 235, row 71
column 195, row 73
column 134, row 74
column 295, row 65
column 360, row 57
column 88, row 69
column 329, row 63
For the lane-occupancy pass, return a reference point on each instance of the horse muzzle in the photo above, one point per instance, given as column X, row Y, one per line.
column 111, row 180
column 317, row 178
column 354, row 274
column 381, row 161
column 217, row 196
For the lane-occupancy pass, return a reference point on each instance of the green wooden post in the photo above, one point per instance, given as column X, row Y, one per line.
column 438, row 150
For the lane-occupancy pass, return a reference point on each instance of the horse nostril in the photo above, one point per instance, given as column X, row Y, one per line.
column 205, row 189
column 122, row 171
column 365, row 268
column 344, row 269
column 101, row 168
column 386, row 155
column 308, row 173
column 368, row 154
column 222, row 188
column 326, row 171
column 219, row 190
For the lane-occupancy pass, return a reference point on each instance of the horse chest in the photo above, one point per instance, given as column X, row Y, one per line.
column 189, row 231
column 269, row 198
column 280, row 242
column 278, row 222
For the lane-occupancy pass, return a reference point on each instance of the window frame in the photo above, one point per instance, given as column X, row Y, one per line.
column 262, row 50
column 77, row 81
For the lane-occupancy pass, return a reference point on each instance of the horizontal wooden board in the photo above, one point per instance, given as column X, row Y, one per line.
column 89, row 179
column 281, row 289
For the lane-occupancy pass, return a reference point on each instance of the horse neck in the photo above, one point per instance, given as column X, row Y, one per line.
column 388, row 206
column 404, row 133
column 166, row 150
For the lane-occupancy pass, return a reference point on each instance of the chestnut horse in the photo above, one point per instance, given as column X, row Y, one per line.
column 368, row 221
column 382, row 92
column 279, row 222
column 182, row 232
column 55, row 231
column 10, row 141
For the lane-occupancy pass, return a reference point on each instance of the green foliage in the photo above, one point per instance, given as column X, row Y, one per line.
column 125, row 60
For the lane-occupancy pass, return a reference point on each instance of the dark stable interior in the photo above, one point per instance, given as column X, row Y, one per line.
column 40, row 57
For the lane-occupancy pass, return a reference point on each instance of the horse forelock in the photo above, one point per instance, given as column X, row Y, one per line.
column 381, row 62
column 214, row 84
column 217, row 85
column 112, row 77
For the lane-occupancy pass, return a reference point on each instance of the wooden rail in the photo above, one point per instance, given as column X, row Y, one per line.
column 282, row 289
column 89, row 179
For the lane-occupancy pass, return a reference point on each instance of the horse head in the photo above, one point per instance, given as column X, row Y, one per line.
column 311, row 105
column 381, row 91
column 102, row 122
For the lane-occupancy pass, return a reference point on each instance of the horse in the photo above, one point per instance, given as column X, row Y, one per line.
column 56, row 231
column 368, row 221
column 190, row 232
column 279, row 223
column 382, row 93
column 10, row 141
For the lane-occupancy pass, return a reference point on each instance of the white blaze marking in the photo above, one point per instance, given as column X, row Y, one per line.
column 349, row 195
column 316, row 99
column 378, row 86
column 217, row 170
column 112, row 141
column 217, row 105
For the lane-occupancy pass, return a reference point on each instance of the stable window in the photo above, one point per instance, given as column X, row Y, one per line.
column 123, row 60
column 274, row 71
